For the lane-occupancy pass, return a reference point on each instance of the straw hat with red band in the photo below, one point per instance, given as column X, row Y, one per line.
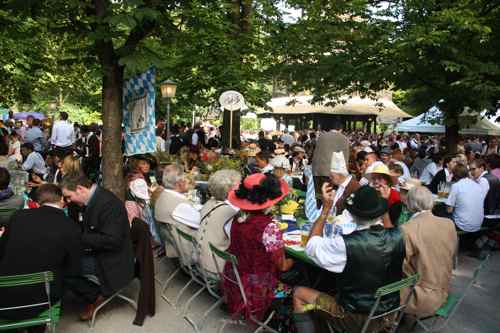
column 258, row 191
column 383, row 171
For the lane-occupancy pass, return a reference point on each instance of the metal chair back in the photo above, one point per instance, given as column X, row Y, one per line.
column 167, row 236
column 206, row 282
column 210, row 281
column 230, row 258
column 187, row 258
column 396, row 287
column 50, row 317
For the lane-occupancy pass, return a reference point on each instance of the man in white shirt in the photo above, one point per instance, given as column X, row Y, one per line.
column 397, row 157
column 466, row 201
column 175, row 209
column 33, row 161
column 375, row 259
column 478, row 172
column 194, row 139
column 63, row 135
column 287, row 138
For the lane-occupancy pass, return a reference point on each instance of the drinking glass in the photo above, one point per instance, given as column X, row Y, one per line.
column 305, row 230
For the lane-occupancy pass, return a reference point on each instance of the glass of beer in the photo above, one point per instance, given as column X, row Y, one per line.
column 442, row 190
column 304, row 234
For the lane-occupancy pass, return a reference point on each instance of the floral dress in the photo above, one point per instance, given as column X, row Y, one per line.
column 258, row 245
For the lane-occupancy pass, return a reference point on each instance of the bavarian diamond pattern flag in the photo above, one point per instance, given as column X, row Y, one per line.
column 139, row 113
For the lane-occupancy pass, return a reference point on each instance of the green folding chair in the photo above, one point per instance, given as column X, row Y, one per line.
column 395, row 287
column 49, row 317
column 450, row 306
column 228, row 257
column 208, row 283
column 188, row 266
column 167, row 236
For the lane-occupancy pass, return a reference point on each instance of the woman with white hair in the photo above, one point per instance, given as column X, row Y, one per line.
column 430, row 244
column 216, row 217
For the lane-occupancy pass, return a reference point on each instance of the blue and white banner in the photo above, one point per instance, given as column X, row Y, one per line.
column 139, row 113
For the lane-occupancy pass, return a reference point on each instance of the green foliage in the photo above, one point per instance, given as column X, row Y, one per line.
column 51, row 49
column 447, row 53
column 249, row 123
column 81, row 114
column 335, row 48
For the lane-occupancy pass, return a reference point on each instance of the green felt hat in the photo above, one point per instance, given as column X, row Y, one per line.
column 366, row 203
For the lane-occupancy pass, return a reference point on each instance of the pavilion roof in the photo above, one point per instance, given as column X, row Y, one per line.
column 362, row 106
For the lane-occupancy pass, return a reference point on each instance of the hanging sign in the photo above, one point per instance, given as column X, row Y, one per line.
column 231, row 100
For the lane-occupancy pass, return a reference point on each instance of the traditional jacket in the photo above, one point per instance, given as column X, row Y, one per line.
column 430, row 243
column 214, row 216
column 164, row 208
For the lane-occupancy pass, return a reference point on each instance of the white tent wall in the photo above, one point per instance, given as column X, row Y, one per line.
column 484, row 126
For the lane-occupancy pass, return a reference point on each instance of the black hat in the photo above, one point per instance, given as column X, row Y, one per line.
column 386, row 150
column 151, row 159
column 366, row 203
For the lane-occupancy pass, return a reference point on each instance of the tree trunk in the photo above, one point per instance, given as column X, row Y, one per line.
column 451, row 136
column 246, row 16
column 235, row 14
column 112, row 119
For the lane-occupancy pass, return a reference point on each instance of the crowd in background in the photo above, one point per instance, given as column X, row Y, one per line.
column 383, row 182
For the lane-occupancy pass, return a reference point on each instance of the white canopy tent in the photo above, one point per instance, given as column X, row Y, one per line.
column 424, row 124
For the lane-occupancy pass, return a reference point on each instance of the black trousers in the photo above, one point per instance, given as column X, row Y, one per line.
column 63, row 151
column 81, row 286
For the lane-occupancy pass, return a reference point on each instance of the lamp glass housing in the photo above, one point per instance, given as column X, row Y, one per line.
column 168, row 89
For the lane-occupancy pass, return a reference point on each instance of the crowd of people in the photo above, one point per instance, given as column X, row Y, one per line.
column 404, row 194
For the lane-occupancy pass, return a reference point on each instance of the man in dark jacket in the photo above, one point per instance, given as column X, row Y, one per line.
column 37, row 240
column 8, row 200
column 92, row 159
column 445, row 175
column 106, row 241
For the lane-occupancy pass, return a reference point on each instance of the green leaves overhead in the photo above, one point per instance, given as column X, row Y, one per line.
column 430, row 49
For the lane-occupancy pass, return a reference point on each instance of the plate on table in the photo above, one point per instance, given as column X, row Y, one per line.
column 292, row 240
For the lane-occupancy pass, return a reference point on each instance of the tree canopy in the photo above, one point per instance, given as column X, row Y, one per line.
column 78, row 53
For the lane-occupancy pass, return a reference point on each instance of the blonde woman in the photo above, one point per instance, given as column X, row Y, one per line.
column 71, row 166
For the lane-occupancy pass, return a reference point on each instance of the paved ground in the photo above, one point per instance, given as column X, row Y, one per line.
column 480, row 312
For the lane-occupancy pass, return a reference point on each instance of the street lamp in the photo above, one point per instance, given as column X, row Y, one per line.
column 52, row 106
column 168, row 89
column 53, row 109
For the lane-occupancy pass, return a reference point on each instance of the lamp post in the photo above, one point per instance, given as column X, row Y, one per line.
column 53, row 108
column 168, row 89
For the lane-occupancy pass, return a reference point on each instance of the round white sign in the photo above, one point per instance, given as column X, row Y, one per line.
column 231, row 100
